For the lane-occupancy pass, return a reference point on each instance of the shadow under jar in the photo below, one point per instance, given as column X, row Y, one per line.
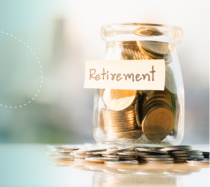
column 141, row 117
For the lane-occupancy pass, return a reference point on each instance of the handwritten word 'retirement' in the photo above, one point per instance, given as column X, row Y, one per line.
column 118, row 76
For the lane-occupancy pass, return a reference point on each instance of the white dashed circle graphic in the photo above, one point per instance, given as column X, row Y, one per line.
column 40, row 86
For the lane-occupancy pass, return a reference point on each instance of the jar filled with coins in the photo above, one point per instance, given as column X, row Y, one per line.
column 144, row 117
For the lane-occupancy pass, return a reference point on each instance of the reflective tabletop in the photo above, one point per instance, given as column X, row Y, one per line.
column 25, row 165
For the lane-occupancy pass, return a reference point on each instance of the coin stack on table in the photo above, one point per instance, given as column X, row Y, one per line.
column 183, row 153
column 130, row 155
column 62, row 152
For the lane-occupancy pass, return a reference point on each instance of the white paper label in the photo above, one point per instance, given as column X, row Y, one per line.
column 125, row 74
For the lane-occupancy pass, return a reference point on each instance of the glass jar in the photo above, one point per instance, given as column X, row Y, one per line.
column 153, row 118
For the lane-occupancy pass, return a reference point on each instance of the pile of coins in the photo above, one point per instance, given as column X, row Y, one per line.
column 129, row 114
column 120, row 121
column 119, row 118
column 131, row 51
column 62, row 153
column 128, row 155
column 154, row 50
column 145, row 50
column 157, row 115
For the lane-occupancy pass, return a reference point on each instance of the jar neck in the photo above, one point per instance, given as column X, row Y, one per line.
column 141, row 32
column 139, row 50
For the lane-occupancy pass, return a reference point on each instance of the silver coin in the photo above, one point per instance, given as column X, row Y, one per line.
column 160, row 162
column 89, row 150
column 157, row 151
column 81, row 154
column 186, row 152
column 85, row 156
column 94, row 153
column 111, row 163
column 127, row 153
column 177, row 148
column 69, row 147
column 62, row 147
column 101, row 159
column 189, row 157
column 61, row 158
column 107, row 153
column 63, row 153
column 169, row 149
column 158, row 159
column 119, row 150
column 120, row 156
column 160, row 48
column 110, row 156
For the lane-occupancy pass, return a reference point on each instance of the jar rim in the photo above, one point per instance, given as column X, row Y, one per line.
column 126, row 31
column 144, row 24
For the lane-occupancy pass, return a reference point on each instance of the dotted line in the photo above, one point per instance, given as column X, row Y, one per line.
column 1, row 105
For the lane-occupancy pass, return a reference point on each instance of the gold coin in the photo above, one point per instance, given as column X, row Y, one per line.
column 159, row 48
column 119, row 119
column 149, row 53
column 147, row 31
column 120, row 127
column 122, row 124
column 128, row 134
column 118, row 100
column 132, row 45
column 155, row 106
column 118, row 113
column 158, row 123
column 159, row 99
column 128, row 54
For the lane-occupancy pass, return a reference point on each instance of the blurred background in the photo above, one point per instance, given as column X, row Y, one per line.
column 65, row 33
